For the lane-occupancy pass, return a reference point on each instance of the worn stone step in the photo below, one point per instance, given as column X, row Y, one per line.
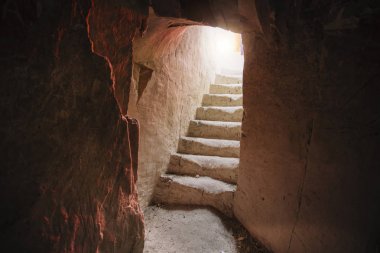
column 220, row 113
column 215, row 129
column 221, row 168
column 222, row 100
column 228, row 79
column 205, row 191
column 226, row 89
column 211, row 147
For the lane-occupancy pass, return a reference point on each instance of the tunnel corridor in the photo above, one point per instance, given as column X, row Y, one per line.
column 75, row 172
column 199, row 69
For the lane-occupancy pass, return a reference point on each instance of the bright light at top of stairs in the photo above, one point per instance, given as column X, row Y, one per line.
column 227, row 42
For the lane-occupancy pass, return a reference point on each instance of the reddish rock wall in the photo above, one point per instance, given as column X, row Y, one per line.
column 69, row 160
column 112, row 27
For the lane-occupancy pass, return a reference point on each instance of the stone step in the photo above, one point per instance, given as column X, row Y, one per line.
column 211, row 147
column 226, row 89
column 225, row 79
column 220, row 113
column 186, row 190
column 222, row 100
column 221, row 168
column 215, row 129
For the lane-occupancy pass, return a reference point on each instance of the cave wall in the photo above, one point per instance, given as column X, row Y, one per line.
column 173, row 68
column 309, row 169
column 309, row 174
column 68, row 170
column 308, row 180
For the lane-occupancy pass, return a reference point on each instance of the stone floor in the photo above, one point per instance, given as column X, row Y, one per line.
column 194, row 230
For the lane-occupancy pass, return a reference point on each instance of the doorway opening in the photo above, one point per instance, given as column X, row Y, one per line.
column 186, row 93
column 203, row 170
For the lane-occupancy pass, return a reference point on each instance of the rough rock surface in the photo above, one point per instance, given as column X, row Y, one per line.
column 226, row 88
column 241, row 15
column 309, row 169
column 212, row 147
column 183, row 67
column 68, row 168
column 215, row 129
column 222, row 100
column 308, row 180
column 232, row 113
column 221, row 168
column 112, row 27
column 187, row 190
column 309, row 166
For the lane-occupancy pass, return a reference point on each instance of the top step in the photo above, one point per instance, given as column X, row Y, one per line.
column 224, row 79
column 226, row 89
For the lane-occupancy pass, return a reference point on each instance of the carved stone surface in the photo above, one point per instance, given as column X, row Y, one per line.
column 308, row 177
column 183, row 67
column 69, row 159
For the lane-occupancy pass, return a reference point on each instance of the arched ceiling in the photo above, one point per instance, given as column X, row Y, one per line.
column 235, row 15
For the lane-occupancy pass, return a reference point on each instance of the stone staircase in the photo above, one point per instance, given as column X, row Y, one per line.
column 204, row 171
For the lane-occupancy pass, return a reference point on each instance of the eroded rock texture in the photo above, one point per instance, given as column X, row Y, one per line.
column 308, row 180
column 69, row 159
column 112, row 27
column 236, row 15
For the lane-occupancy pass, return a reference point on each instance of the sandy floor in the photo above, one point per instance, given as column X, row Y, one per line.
column 193, row 230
